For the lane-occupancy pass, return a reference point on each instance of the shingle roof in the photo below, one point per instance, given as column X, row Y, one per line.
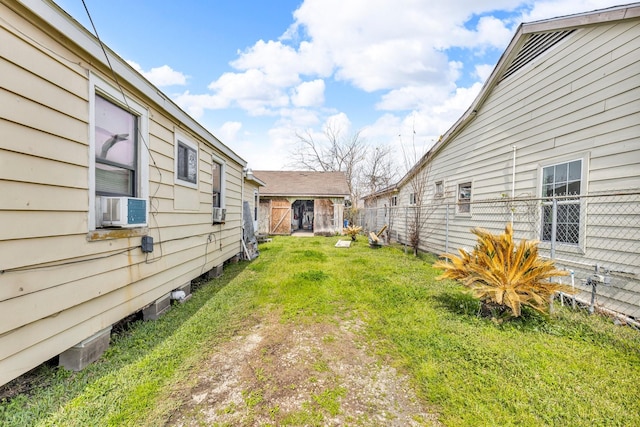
column 303, row 183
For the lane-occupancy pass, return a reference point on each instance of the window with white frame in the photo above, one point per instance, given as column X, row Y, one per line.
column 116, row 148
column 560, row 182
column 217, row 172
column 394, row 200
column 119, row 161
column 464, row 198
column 412, row 198
column 439, row 190
column 186, row 162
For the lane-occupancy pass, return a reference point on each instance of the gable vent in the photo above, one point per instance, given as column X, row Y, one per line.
column 535, row 46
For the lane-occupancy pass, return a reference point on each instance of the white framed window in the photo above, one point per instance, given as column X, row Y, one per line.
column 464, row 198
column 394, row 200
column 218, row 166
column 560, row 181
column 186, row 162
column 439, row 188
column 119, row 159
column 412, row 199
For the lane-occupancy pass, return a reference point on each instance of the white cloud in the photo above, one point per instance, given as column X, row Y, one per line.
column 372, row 45
column 339, row 122
column 308, row 94
column 196, row 104
column 253, row 90
column 299, row 118
column 458, row 104
column 547, row 9
column 414, row 97
column 407, row 55
column 228, row 132
column 378, row 45
column 493, row 32
column 483, row 71
column 161, row 76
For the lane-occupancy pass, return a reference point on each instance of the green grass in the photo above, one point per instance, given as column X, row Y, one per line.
column 570, row 369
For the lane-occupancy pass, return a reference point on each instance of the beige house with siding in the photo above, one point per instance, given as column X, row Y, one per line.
column 551, row 143
column 112, row 196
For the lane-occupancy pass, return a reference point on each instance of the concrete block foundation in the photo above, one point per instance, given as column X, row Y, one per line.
column 157, row 308
column 85, row 352
column 215, row 272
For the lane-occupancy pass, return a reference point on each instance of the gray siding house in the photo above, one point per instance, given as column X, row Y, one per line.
column 552, row 144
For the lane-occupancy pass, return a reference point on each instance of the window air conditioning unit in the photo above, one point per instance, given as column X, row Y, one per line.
column 219, row 215
column 123, row 212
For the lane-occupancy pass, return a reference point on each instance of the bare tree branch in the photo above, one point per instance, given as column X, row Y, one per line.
column 334, row 153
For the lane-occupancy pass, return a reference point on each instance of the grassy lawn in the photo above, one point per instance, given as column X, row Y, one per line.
column 571, row 369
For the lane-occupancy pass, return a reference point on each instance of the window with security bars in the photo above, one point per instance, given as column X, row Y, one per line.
column 187, row 163
column 464, row 198
column 561, row 181
column 567, row 223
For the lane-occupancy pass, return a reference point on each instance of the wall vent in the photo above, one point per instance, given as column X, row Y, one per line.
column 536, row 45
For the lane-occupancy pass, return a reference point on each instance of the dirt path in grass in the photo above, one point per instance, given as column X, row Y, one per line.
column 313, row 374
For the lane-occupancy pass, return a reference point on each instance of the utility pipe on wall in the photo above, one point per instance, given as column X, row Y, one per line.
column 513, row 182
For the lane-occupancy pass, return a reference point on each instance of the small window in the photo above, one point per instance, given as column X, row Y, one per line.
column 439, row 188
column 256, row 202
column 217, row 181
column 186, row 162
column 394, row 200
column 464, row 198
column 217, row 184
column 412, row 198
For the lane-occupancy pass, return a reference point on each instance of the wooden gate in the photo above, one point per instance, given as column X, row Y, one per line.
column 280, row 217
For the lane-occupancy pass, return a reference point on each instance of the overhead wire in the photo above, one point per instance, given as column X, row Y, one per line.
column 153, row 208
column 47, row 48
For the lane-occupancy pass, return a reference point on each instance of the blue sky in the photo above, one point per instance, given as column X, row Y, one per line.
column 255, row 73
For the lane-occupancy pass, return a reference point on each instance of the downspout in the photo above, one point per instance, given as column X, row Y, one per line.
column 513, row 182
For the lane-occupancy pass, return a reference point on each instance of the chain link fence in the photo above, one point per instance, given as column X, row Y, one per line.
column 595, row 238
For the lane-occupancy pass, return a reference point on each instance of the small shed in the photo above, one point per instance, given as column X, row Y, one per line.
column 309, row 201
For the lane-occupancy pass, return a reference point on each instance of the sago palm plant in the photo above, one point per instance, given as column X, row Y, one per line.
column 498, row 271
column 352, row 230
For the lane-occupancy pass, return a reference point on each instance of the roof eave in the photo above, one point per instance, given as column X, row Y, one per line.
column 55, row 16
column 307, row 196
column 553, row 24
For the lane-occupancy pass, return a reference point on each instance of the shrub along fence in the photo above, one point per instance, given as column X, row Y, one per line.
column 595, row 237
